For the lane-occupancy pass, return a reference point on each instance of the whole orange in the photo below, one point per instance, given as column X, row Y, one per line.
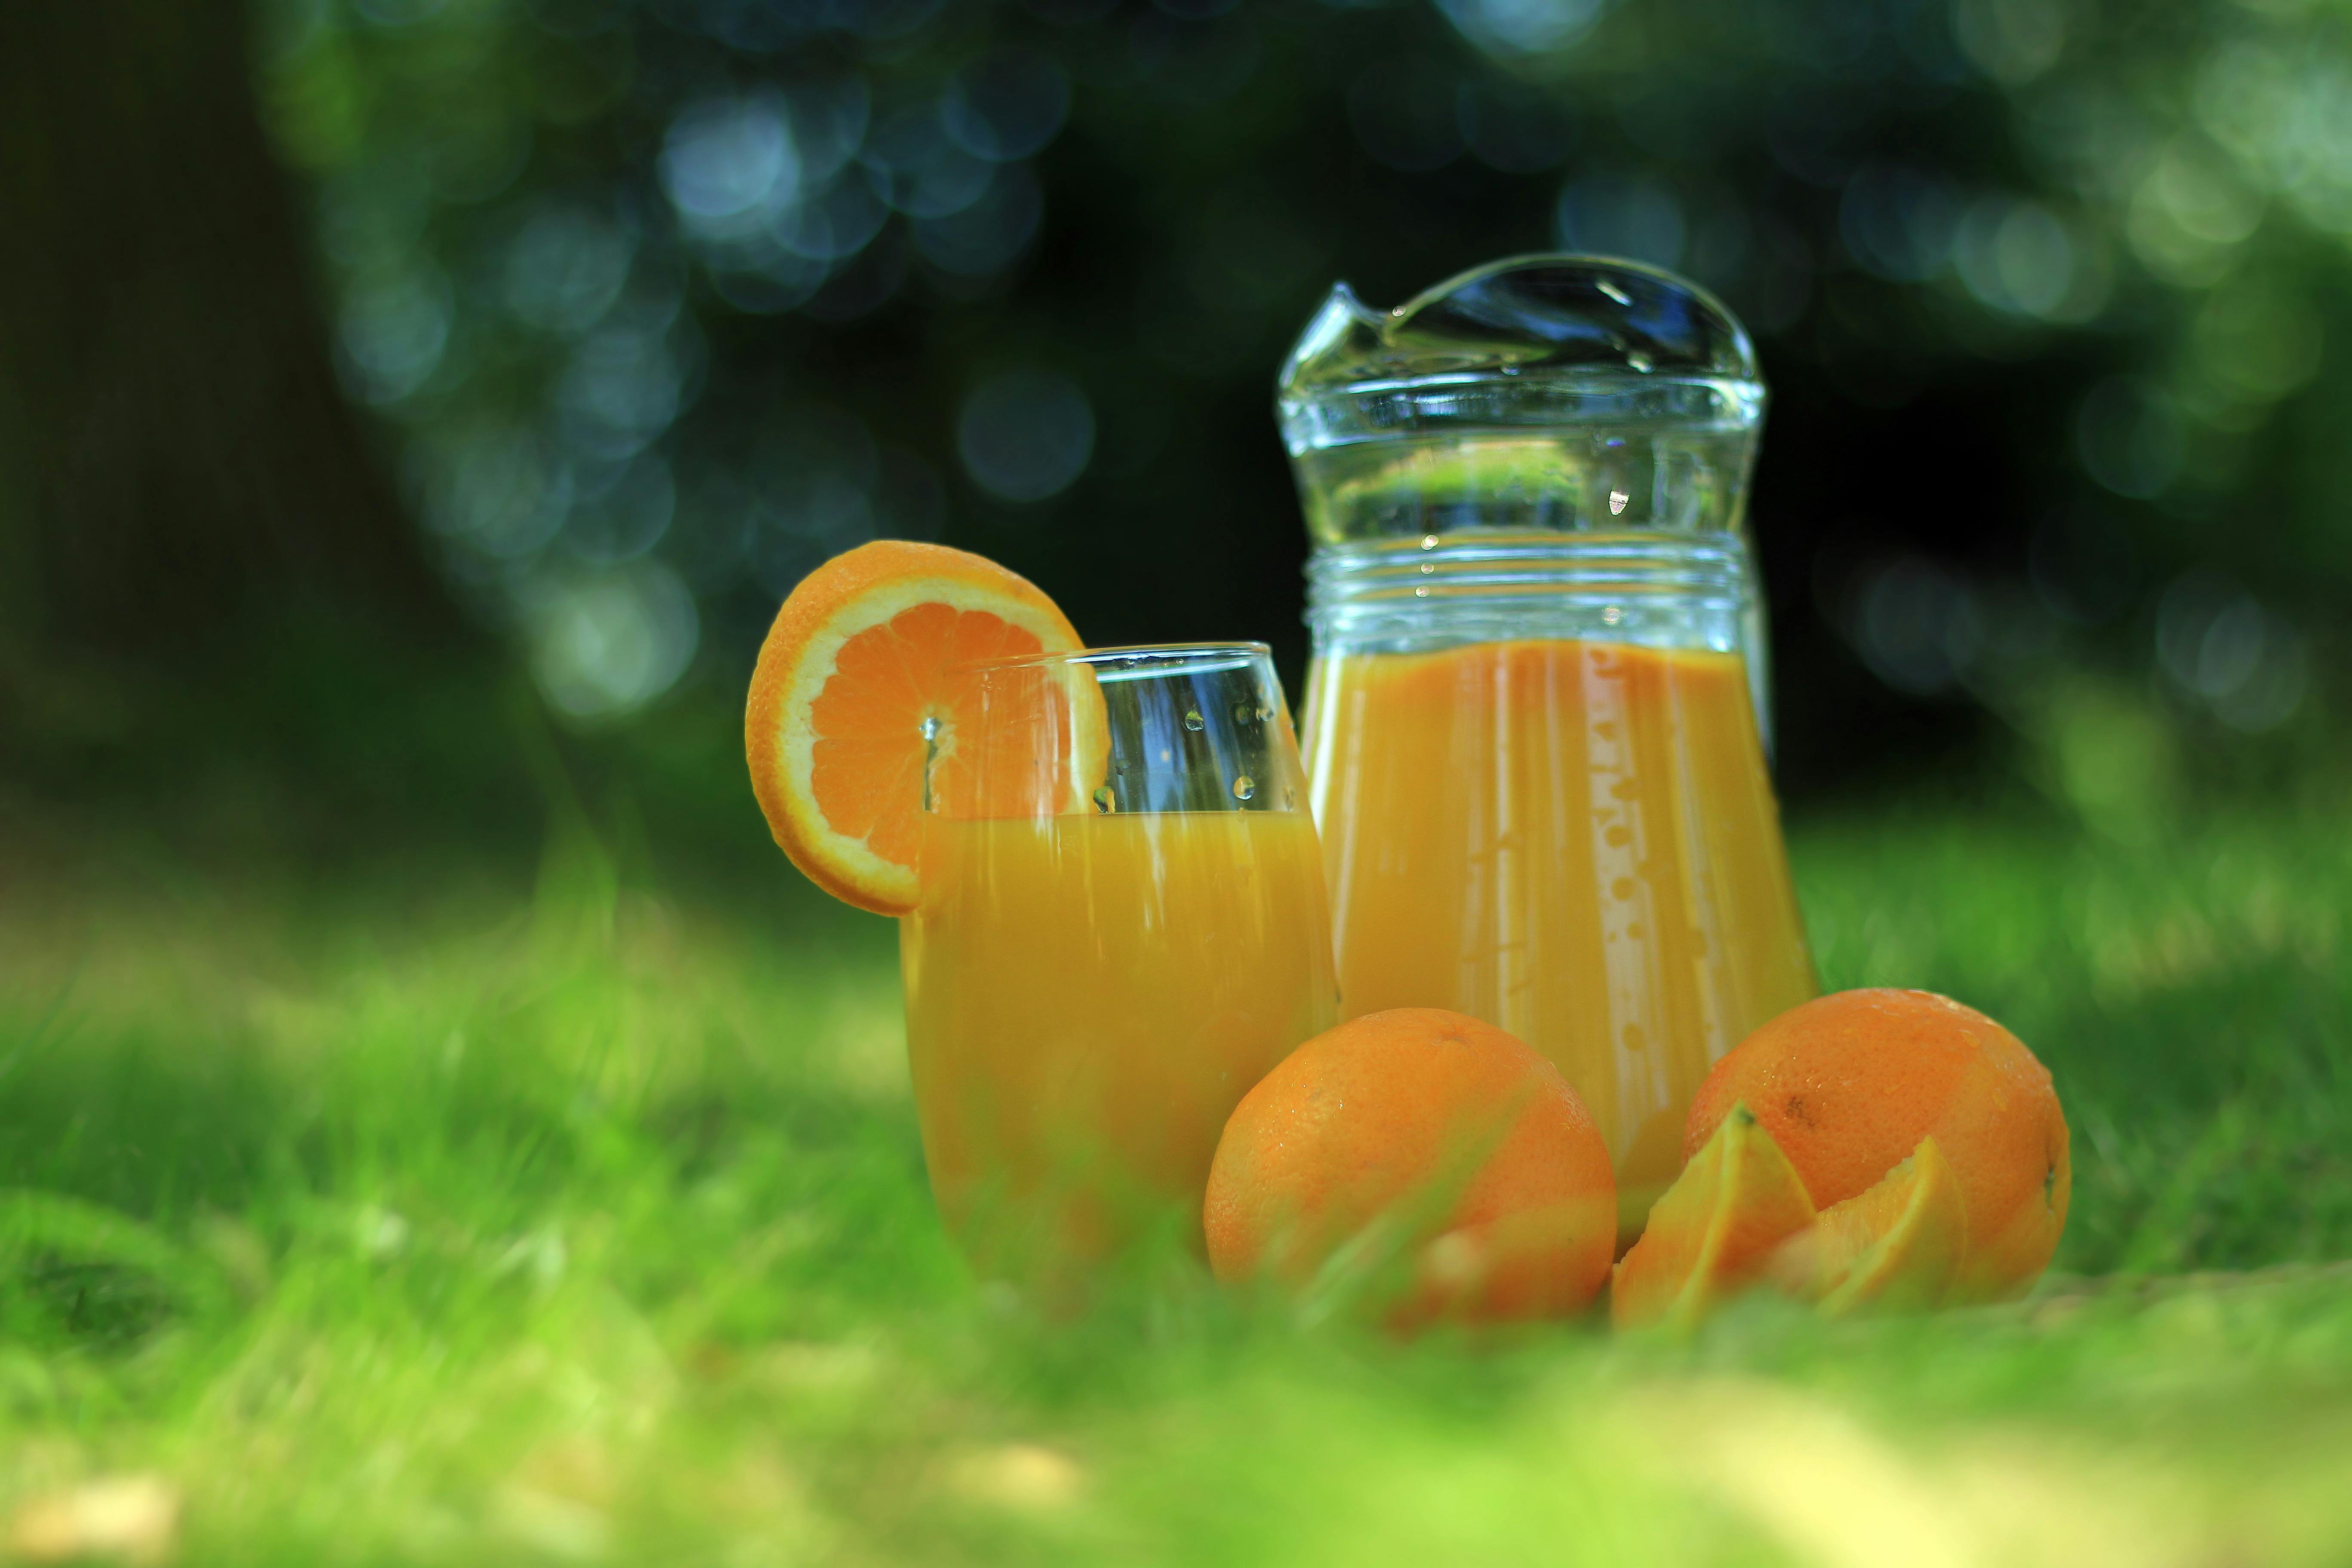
column 1425, row 1137
column 1849, row 1083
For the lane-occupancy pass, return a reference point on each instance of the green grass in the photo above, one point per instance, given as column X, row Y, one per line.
column 420, row 1211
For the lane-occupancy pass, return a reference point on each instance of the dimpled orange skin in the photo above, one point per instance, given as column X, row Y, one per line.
column 1848, row 1085
column 1362, row 1119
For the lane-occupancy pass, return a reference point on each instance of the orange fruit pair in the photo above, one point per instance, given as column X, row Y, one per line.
column 1428, row 1144
column 863, row 683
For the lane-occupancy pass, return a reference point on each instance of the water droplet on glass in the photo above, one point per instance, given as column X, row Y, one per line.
column 1105, row 801
column 1193, row 722
column 1289, row 798
column 1638, row 360
column 1617, row 499
column 1615, row 293
column 1420, row 593
column 1243, row 787
column 1612, row 614
column 1429, row 542
column 1244, row 713
column 1263, row 714
column 1428, row 567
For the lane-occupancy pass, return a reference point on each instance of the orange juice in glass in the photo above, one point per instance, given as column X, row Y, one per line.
column 1534, row 718
column 1099, row 972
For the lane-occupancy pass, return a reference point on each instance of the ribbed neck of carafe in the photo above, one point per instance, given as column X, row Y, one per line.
column 1650, row 589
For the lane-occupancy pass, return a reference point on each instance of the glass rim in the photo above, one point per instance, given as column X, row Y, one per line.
column 1136, row 661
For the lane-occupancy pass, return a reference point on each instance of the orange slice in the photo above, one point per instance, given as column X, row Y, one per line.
column 1897, row 1246
column 1713, row 1231
column 860, row 681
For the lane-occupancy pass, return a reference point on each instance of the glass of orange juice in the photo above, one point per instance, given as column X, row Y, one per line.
column 1122, row 928
column 1535, row 719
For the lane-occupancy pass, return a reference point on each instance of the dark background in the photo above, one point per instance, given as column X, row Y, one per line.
column 359, row 355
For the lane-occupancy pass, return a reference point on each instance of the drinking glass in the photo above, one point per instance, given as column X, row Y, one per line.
column 1123, row 929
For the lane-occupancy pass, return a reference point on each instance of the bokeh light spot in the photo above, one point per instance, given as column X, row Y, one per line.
column 619, row 513
column 393, row 334
column 1916, row 625
column 1007, row 106
column 624, row 386
column 496, row 491
column 399, row 13
column 2021, row 258
column 2257, row 341
column 1898, row 223
column 836, row 223
column 829, row 121
column 1026, row 434
column 1620, row 214
column 2011, row 41
column 565, row 268
column 1507, row 27
column 2190, row 214
column 987, row 236
column 728, row 163
column 2221, row 646
column 605, row 643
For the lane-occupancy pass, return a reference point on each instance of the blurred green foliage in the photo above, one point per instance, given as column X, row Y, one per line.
column 663, row 300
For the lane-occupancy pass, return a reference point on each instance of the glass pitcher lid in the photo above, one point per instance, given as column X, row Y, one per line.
column 1551, row 394
column 1528, row 339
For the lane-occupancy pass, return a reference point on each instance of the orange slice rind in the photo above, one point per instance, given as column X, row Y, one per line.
column 865, row 677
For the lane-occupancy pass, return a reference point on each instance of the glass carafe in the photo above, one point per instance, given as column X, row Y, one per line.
column 1535, row 725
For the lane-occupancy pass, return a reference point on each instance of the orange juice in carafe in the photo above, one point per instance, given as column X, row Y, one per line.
column 1572, row 840
column 1534, row 731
